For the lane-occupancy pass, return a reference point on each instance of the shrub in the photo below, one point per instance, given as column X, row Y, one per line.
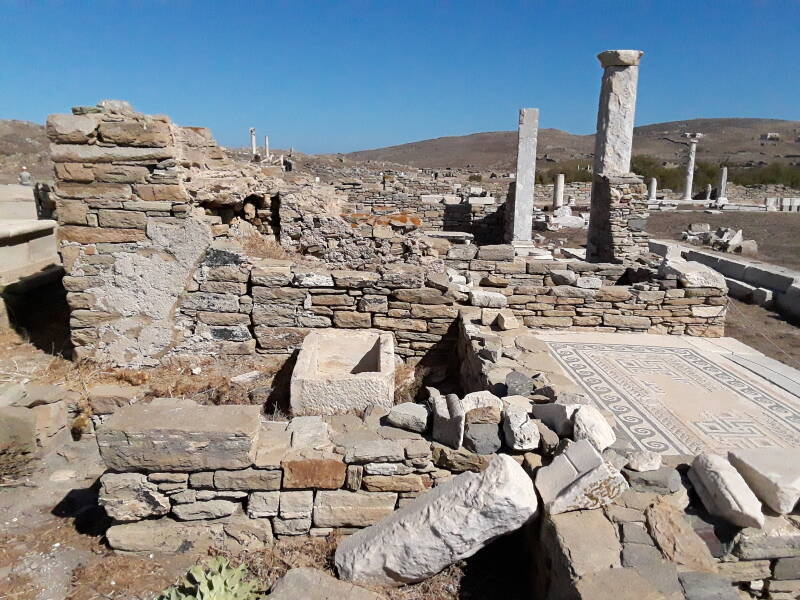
column 216, row 580
column 476, row 178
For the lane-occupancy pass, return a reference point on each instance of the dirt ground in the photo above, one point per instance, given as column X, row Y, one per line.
column 777, row 233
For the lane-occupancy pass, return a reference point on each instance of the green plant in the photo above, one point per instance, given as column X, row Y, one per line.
column 216, row 580
column 475, row 178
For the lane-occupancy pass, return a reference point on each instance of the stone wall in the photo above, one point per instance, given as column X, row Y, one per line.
column 618, row 218
column 576, row 193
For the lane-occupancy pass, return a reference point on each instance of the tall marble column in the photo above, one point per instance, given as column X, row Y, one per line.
column 558, row 191
column 519, row 206
column 253, row 146
column 619, row 198
column 266, row 147
column 693, row 139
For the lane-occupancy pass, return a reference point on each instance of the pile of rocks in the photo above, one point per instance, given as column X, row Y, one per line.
column 724, row 239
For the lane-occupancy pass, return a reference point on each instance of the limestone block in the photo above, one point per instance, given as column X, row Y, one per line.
column 164, row 535
column 459, row 460
column 352, row 508
column 211, row 509
column 247, row 479
column 105, row 399
column 707, row 586
column 481, row 399
column 299, row 526
column 309, row 432
column 339, row 371
column 772, row 473
column 644, row 460
column 81, row 153
column 324, row 473
column 122, row 218
column 590, row 424
column 120, row 174
column 408, row 415
column 482, row 438
column 70, row 129
column 311, row 279
column 507, row 321
column 610, row 583
column 487, row 299
column 375, row 451
column 130, row 497
column 247, row 535
column 501, row 252
column 556, row 416
column 447, row 524
column 263, row 504
column 778, row 538
column 136, row 133
column 296, row 505
column 394, row 483
column 312, row 584
column 165, row 437
column 723, row 491
column 50, row 420
column 692, row 274
column 520, row 431
column 161, row 192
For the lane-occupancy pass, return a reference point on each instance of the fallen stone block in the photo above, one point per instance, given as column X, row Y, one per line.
column 778, row 538
column 165, row 436
column 643, row 461
column 486, row 299
column 578, row 478
column 772, row 473
column 312, row 584
column 676, row 539
column 520, row 431
column 723, row 491
column 447, row 524
column 482, row 438
column 448, row 420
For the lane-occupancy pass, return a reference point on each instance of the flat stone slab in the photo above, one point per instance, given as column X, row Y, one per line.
column 178, row 435
column 652, row 383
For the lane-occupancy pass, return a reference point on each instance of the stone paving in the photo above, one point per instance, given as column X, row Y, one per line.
column 680, row 395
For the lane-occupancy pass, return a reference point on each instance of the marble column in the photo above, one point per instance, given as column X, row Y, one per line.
column 266, row 147
column 519, row 206
column 253, row 146
column 722, row 189
column 558, row 192
column 619, row 198
column 652, row 190
column 693, row 139
column 708, row 191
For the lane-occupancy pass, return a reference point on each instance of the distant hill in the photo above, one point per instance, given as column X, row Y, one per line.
column 733, row 140
column 23, row 143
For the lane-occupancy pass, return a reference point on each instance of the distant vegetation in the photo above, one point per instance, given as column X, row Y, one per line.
column 574, row 170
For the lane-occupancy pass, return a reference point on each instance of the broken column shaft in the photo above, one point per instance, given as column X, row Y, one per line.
column 619, row 198
column 519, row 206
column 558, row 192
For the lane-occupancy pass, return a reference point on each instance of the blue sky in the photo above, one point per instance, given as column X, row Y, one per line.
column 348, row 75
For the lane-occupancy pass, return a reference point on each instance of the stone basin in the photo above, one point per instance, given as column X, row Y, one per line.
column 340, row 371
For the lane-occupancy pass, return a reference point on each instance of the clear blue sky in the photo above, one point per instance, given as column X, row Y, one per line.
column 338, row 76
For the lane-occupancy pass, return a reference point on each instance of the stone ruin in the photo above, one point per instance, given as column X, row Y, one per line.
column 172, row 249
column 724, row 239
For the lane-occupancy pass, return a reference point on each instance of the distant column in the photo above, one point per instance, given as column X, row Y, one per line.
column 693, row 139
column 519, row 206
column 619, row 198
column 253, row 147
column 722, row 189
column 652, row 190
column 708, row 191
column 266, row 147
column 558, row 192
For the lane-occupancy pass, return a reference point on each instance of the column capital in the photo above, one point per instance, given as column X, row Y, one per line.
column 620, row 58
column 693, row 137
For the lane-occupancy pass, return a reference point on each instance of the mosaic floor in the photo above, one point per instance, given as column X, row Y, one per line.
column 678, row 395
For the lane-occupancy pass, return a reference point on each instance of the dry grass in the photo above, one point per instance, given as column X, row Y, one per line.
column 261, row 246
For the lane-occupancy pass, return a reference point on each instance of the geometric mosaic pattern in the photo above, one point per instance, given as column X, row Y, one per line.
column 674, row 400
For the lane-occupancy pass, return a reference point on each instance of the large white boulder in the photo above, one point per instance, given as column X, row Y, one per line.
column 772, row 473
column 519, row 430
column 723, row 491
column 447, row 524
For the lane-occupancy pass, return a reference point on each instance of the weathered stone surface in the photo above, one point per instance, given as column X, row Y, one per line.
column 557, row 416
column 487, row 299
column 745, row 570
column 459, row 460
column 448, row 420
column 772, row 473
column 723, row 491
column 70, row 129
column 165, row 437
column 375, row 451
column 692, row 274
column 449, row 523
column 247, row 480
column 312, row 584
column 676, row 539
column 78, row 153
column 408, row 415
column 164, row 535
column 247, row 535
column 299, row 526
column 578, row 478
column 644, row 460
column 520, row 431
column 482, row 438
column 97, row 235
column 665, row 480
column 352, row 509
column 211, row 509
column 130, row 497
column 296, row 505
column 706, row 586
column 318, row 473
column 590, row 424
column 610, row 583
column 778, row 538
column 393, row 483
column 136, row 133
column 263, row 504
